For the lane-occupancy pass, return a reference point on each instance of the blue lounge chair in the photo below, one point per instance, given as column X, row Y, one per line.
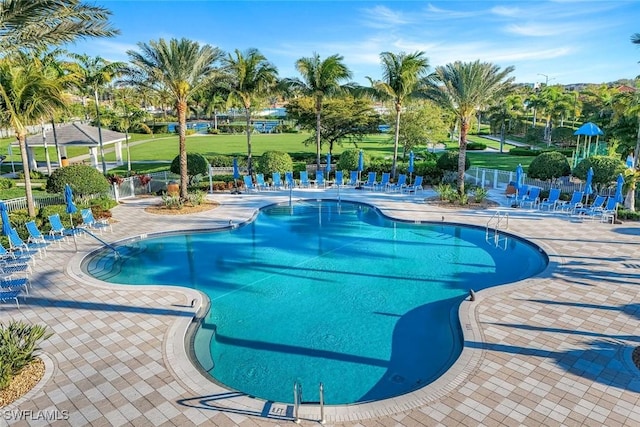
column 18, row 244
column 610, row 210
column 384, row 182
column 57, row 229
column 398, row 186
column 289, row 181
column 552, row 201
column 353, row 178
column 248, row 183
column 371, row 181
column 594, row 209
column 10, row 295
column 260, row 183
column 276, row 183
column 532, row 198
column 304, row 179
column 36, row 236
column 13, row 284
column 417, row 186
column 11, row 258
column 320, row 179
column 88, row 220
column 573, row 204
column 339, row 178
column 521, row 194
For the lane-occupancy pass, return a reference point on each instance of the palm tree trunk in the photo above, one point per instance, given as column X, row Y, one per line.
column 396, row 139
column 464, row 129
column 27, row 173
column 248, row 131
column 181, row 107
column 318, row 118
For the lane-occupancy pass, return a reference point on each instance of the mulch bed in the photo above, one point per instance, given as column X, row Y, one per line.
column 186, row 209
column 485, row 204
column 22, row 383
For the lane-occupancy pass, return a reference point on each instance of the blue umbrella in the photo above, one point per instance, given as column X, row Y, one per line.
column 6, row 224
column 68, row 197
column 361, row 161
column 588, row 189
column 411, row 161
column 328, row 164
column 236, row 170
column 519, row 177
column 619, row 185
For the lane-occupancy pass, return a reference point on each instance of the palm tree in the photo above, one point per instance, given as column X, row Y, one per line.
column 180, row 67
column 37, row 24
column 320, row 79
column 29, row 93
column 93, row 73
column 250, row 76
column 460, row 87
column 401, row 74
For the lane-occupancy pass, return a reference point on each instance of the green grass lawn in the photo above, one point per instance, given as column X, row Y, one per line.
column 498, row 161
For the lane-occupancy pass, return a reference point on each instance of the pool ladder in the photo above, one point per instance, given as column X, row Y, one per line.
column 297, row 401
column 499, row 221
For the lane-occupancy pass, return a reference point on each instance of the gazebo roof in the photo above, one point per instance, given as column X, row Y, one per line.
column 77, row 134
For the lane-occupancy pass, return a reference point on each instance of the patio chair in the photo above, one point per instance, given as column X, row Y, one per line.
column 10, row 295
column 260, row 183
column 320, row 179
column 9, row 283
column 371, row 181
column 384, row 182
column 339, row 180
column 532, row 198
column 11, row 258
column 18, row 244
column 573, row 204
column 415, row 187
column 36, row 236
column 353, row 178
column 550, row 202
column 276, row 183
column 304, row 179
column 248, row 183
column 57, row 229
column 288, row 179
column 610, row 210
column 594, row 209
column 398, row 186
column 89, row 221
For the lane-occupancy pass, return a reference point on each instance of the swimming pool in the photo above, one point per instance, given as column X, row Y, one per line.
column 326, row 292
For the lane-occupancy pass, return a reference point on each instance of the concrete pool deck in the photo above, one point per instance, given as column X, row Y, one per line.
column 550, row 350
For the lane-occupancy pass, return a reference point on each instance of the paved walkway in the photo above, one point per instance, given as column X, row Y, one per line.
column 551, row 350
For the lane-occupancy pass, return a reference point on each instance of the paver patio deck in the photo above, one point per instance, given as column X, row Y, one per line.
column 550, row 350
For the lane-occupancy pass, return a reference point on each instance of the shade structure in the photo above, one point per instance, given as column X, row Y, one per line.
column 236, row 170
column 589, row 129
column 6, row 224
column 361, row 161
column 588, row 189
column 619, row 184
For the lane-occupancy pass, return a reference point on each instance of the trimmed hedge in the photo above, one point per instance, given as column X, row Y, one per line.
column 84, row 180
column 476, row 146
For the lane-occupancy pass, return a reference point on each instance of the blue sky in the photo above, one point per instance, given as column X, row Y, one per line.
column 570, row 41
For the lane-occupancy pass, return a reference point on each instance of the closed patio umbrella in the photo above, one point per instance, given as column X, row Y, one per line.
column 519, row 178
column 410, row 168
column 588, row 189
column 6, row 224
column 328, row 165
column 360, row 163
column 71, row 209
column 236, row 174
column 619, row 184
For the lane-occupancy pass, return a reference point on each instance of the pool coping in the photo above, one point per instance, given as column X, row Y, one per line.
column 178, row 359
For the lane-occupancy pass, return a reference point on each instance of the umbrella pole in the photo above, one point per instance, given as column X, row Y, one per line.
column 73, row 232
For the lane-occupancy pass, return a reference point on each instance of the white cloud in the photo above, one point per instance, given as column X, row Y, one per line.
column 383, row 17
column 434, row 12
column 534, row 30
column 506, row 11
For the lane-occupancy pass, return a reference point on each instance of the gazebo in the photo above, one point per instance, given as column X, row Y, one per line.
column 76, row 135
column 589, row 130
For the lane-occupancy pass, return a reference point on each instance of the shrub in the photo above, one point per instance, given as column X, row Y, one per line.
column 172, row 201
column 605, row 169
column 524, row 151
column 480, row 194
column 476, row 146
column 349, row 160
column 446, row 192
column 274, row 161
column 628, row 215
column 18, row 344
column 534, row 135
column 562, row 135
column 84, row 180
column 430, row 172
column 448, row 161
column 549, row 165
column 196, row 198
column 6, row 183
column 221, row 161
column 196, row 165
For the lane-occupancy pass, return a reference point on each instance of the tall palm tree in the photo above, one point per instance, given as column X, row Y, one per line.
column 401, row 74
column 29, row 93
column 250, row 76
column 36, row 24
column 320, row 79
column 180, row 67
column 93, row 73
column 460, row 87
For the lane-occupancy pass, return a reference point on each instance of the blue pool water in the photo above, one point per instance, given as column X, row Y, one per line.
column 326, row 292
